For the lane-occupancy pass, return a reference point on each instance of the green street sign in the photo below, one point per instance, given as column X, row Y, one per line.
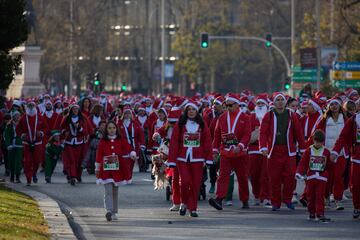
column 305, row 75
column 347, row 83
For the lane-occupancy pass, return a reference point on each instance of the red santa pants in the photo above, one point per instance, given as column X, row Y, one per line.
column 126, row 168
column 240, row 166
column 32, row 160
column 258, row 176
column 281, row 169
column 338, row 178
column 74, row 155
column 355, row 184
column 190, row 180
column 175, row 187
column 315, row 194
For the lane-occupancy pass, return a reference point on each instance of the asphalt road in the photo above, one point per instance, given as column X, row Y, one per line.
column 144, row 214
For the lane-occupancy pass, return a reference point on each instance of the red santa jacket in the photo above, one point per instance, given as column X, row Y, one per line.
column 179, row 149
column 108, row 108
column 268, row 133
column 133, row 134
column 235, row 126
column 51, row 121
column 350, row 138
column 109, row 147
column 94, row 121
column 309, row 123
column 315, row 163
column 75, row 134
column 31, row 129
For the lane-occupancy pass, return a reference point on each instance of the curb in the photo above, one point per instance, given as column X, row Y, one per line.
column 59, row 227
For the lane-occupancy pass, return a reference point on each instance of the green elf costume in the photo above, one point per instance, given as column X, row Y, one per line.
column 53, row 152
column 14, row 146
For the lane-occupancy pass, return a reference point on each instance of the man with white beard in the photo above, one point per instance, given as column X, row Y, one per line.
column 258, row 163
column 31, row 128
column 108, row 109
column 50, row 118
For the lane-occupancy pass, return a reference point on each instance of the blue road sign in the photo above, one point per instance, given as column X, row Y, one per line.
column 349, row 66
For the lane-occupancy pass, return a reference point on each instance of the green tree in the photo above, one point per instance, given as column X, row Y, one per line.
column 13, row 32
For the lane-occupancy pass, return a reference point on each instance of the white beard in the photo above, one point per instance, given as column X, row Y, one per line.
column 142, row 119
column 75, row 119
column 49, row 113
column 127, row 122
column 31, row 112
column 103, row 100
column 260, row 112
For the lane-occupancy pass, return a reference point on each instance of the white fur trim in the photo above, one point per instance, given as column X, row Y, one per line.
column 263, row 101
column 233, row 99
column 170, row 164
column 315, row 105
column 172, row 119
column 279, row 95
column 192, row 105
column 334, row 100
column 209, row 162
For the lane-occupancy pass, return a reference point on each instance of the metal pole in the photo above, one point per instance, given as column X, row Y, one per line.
column 71, row 49
column 162, row 46
column 318, row 44
column 332, row 20
column 292, row 39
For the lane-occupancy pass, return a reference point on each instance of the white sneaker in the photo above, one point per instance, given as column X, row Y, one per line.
column 267, row 203
column 332, row 199
column 174, row 208
column 228, row 203
column 114, row 217
column 294, row 199
column 339, row 205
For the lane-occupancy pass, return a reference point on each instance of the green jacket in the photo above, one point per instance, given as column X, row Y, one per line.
column 11, row 140
column 53, row 151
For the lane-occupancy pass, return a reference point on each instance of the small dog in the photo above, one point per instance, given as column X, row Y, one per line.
column 158, row 171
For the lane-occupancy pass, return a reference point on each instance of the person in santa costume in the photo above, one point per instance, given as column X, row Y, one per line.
column 190, row 149
column 313, row 116
column 75, row 129
column 85, row 106
column 165, row 133
column 96, row 116
column 350, row 138
column 231, row 139
column 332, row 124
column 145, row 124
column 110, row 169
column 280, row 131
column 159, row 122
column 108, row 108
column 315, row 163
column 258, row 163
column 211, row 119
column 131, row 131
column 31, row 129
column 54, row 148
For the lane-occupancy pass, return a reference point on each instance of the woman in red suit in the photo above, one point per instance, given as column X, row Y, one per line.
column 109, row 167
column 75, row 128
column 190, row 148
column 131, row 131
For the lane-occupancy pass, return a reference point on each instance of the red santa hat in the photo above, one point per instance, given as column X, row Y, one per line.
column 263, row 98
column 174, row 115
column 219, row 100
column 180, row 102
column 158, row 104
column 317, row 104
column 278, row 94
column 233, row 97
column 127, row 108
column 193, row 104
column 304, row 104
column 17, row 103
column 168, row 104
column 320, row 95
column 244, row 100
column 350, row 92
column 334, row 100
column 142, row 107
column 103, row 94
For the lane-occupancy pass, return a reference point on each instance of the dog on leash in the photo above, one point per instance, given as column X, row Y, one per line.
column 158, row 171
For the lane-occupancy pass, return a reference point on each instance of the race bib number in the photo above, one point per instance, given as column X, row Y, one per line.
column 317, row 163
column 111, row 163
column 192, row 139
column 358, row 135
column 229, row 139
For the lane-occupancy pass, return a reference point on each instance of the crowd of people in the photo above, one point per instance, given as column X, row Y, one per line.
column 268, row 141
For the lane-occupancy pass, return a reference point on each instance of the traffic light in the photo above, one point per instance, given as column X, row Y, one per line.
column 287, row 84
column 96, row 79
column 123, row 86
column 204, row 40
column 268, row 39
